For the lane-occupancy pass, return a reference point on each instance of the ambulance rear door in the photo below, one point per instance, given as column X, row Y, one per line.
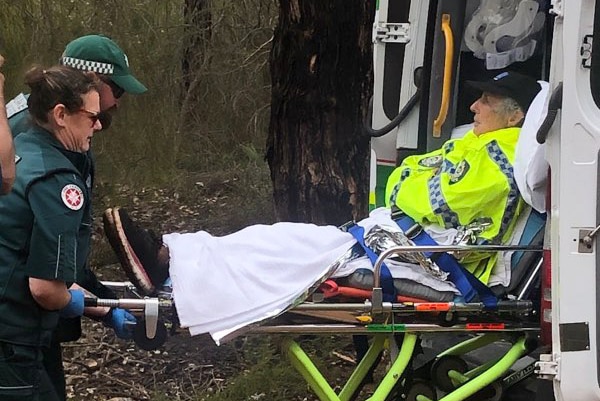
column 573, row 151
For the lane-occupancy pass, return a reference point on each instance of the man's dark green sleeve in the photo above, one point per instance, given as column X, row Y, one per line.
column 90, row 282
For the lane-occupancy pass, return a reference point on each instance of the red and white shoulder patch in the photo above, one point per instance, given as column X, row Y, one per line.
column 72, row 196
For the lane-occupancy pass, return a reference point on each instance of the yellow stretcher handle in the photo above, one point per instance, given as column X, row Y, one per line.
column 441, row 118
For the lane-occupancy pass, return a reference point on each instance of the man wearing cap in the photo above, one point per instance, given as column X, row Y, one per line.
column 100, row 55
column 94, row 53
column 471, row 180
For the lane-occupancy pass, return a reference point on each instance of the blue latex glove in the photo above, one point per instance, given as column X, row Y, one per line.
column 75, row 306
column 121, row 321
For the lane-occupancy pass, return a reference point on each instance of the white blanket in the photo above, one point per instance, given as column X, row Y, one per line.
column 221, row 284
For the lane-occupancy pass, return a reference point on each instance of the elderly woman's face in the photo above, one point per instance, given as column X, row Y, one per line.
column 487, row 117
column 81, row 125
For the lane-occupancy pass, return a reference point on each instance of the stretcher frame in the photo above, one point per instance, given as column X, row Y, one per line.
column 383, row 321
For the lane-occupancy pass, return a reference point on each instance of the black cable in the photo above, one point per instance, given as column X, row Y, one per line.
column 376, row 133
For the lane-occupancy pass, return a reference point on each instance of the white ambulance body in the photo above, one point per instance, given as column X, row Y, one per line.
column 424, row 51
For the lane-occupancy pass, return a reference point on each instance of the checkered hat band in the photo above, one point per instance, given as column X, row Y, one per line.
column 86, row 65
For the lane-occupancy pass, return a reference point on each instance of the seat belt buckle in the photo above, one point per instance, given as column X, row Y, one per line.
column 397, row 213
column 347, row 226
column 413, row 231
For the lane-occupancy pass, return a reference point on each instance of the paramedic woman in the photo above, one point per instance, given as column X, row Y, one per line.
column 102, row 57
column 46, row 230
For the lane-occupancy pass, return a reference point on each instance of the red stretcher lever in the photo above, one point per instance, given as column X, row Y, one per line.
column 330, row 289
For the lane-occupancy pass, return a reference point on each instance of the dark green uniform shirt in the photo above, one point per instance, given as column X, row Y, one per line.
column 20, row 121
column 46, row 228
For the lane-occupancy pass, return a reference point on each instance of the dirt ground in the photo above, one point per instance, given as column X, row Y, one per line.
column 100, row 367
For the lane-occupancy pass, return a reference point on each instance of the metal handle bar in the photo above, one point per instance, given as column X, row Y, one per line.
column 424, row 307
column 447, row 82
column 444, row 248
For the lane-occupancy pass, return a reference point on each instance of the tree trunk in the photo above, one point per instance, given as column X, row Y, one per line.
column 198, row 27
column 321, row 72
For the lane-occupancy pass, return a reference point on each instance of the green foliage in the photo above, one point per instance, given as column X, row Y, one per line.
column 230, row 97
column 172, row 129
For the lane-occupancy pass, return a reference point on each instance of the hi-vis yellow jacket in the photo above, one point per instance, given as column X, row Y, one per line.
column 466, row 180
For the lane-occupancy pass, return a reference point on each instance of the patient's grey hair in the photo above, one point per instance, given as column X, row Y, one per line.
column 507, row 106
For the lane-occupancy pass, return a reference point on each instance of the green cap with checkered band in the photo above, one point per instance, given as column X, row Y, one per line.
column 101, row 55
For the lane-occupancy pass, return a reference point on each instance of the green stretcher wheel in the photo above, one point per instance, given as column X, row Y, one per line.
column 441, row 367
column 421, row 387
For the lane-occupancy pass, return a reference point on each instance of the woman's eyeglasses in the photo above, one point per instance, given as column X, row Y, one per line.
column 94, row 117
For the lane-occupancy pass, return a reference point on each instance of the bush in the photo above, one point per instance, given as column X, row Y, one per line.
column 173, row 128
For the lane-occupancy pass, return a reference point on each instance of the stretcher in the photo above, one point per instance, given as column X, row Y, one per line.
column 396, row 327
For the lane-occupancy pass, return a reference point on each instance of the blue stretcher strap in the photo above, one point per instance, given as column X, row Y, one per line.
column 387, row 281
column 468, row 285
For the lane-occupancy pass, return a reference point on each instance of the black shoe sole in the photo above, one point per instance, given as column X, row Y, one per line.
column 134, row 270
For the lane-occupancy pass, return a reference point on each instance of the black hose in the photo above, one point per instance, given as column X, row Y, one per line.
column 376, row 133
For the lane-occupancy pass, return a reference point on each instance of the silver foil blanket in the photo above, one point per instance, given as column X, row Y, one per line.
column 379, row 239
column 467, row 235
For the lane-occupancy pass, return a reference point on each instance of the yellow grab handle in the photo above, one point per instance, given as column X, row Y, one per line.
column 441, row 118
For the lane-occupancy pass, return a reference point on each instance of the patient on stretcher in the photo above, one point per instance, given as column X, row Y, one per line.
column 463, row 193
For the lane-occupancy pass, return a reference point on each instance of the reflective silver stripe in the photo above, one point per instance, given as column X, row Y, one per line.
column 75, row 259
column 16, row 105
column 512, row 201
column 57, row 257
column 439, row 206
column 86, row 65
column 11, row 388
